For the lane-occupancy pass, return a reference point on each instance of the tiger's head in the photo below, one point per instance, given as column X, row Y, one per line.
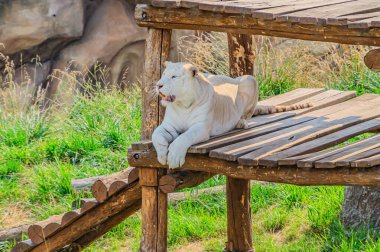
column 177, row 84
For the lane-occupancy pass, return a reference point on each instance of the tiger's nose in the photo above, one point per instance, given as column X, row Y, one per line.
column 159, row 86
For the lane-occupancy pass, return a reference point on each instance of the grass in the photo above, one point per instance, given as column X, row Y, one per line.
column 87, row 134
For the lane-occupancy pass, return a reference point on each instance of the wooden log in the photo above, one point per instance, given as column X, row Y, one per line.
column 239, row 223
column 101, row 229
column 181, row 179
column 69, row 216
column 76, row 204
column 153, row 212
column 93, row 217
column 157, row 47
column 285, row 174
column 23, row 246
column 36, row 232
column 372, row 60
column 116, row 186
column 88, row 205
column 81, row 184
column 101, row 186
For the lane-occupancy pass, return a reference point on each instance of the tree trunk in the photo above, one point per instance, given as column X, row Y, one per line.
column 361, row 207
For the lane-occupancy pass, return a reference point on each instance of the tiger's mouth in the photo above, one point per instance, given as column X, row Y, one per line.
column 168, row 98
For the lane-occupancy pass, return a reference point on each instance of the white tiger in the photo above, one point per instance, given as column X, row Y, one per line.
column 198, row 107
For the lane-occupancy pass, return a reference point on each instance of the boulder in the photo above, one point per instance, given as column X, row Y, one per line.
column 110, row 30
column 361, row 207
column 29, row 27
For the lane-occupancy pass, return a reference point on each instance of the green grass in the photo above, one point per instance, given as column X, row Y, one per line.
column 42, row 152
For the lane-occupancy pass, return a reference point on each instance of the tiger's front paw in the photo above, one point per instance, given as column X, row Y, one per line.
column 242, row 124
column 162, row 155
column 176, row 156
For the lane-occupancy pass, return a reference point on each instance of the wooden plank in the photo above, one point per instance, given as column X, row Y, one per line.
column 292, row 155
column 291, row 175
column 291, row 97
column 261, row 124
column 272, row 13
column 321, row 14
column 372, row 60
column 310, row 159
column 367, row 162
column 364, row 23
column 285, row 138
column 255, row 156
column 342, row 154
column 194, row 19
column 345, row 20
column 369, row 153
column 261, row 147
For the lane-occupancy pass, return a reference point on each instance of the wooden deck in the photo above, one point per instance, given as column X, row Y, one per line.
column 342, row 21
column 297, row 142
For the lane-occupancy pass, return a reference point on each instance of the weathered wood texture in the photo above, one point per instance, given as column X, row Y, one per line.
column 372, row 60
column 98, row 218
column 239, row 223
column 181, row 179
column 157, row 51
column 239, row 227
column 290, row 139
column 105, row 187
column 86, row 183
column 286, row 174
column 309, row 24
column 241, row 54
column 153, row 212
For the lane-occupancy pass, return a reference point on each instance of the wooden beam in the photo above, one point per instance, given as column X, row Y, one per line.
column 372, row 60
column 238, row 191
column 193, row 19
column 285, row 174
column 157, row 47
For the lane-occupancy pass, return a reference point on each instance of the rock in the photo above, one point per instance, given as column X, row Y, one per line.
column 361, row 207
column 42, row 27
column 126, row 67
column 109, row 31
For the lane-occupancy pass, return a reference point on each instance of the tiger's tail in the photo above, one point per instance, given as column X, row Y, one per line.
column 269, row 109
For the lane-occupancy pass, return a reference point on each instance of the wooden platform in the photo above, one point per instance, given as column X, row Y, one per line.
column 291, row 146
column 341, row 21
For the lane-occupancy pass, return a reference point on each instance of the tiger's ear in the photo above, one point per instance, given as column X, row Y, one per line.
column 194, row 70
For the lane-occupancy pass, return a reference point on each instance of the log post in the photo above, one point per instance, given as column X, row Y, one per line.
column 157, row 48
column 154, row 202
column 372, row 60
column 153, row 211
column 239, row 226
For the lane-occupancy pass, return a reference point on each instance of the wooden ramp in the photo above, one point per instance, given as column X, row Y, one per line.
column 295, row 142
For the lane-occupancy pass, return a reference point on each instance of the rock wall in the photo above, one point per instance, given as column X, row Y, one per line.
column 69, row 35
column 361, row 207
